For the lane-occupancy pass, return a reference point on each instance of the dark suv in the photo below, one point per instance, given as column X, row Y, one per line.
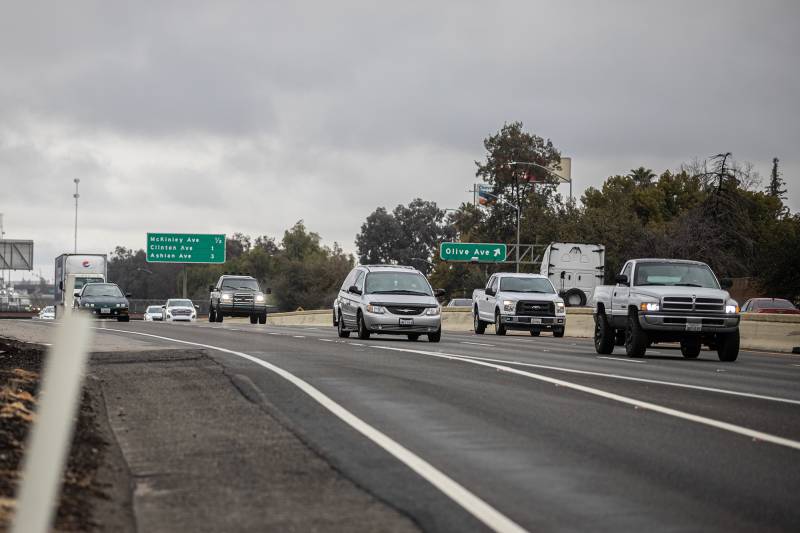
column 238, row 296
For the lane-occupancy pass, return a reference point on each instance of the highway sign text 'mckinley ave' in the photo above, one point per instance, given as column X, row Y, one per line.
column 466, row 251
column 185, row 248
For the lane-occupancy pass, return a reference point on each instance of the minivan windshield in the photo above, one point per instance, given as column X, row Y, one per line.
column 240, row 283
column 675, row 274
column 540, row 285
column 397, row 283
column 102, row 289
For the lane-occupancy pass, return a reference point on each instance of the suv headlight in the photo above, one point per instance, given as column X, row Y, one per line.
column 649, row 306
column 509, row 305
column 260, row 298
column 433, row 311
column 226, row 296
column 376, row 309
column 560, row 308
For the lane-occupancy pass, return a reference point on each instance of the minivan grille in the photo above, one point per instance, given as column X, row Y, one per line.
column 405, row 310
column 688, row 304
column 535, row 308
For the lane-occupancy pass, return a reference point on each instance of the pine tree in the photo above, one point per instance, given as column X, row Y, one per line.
column 776, row 185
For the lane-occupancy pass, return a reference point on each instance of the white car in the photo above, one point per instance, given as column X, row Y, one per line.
column 179, row 309
column 48, row 313
column 153, row 312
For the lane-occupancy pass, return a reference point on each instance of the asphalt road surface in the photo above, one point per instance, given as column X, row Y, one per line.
column 482, row 432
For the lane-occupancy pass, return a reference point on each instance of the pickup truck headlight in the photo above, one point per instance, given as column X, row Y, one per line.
column 560, row 308
column 432, row 311
column 260, row 298
column 731, row 308
column 225, row 296
column 509, row 305
column 649, row 306
column 376, row 309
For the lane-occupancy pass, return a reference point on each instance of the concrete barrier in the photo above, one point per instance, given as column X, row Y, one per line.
column 779, row 333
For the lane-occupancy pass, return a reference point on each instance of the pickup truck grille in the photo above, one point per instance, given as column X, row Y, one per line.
column 181, row 312
column 405, row 310
column 243, row 298
column 535, row 308
column 687, row 304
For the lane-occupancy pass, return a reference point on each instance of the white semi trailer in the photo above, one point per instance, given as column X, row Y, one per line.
column 574, row 269
column 86, row 268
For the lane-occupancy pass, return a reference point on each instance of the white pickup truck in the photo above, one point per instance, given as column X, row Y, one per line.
column 666, row 300
column 518, row 301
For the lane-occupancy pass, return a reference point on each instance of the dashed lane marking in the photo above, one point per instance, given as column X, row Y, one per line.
column 621, row 359
column 477, row 343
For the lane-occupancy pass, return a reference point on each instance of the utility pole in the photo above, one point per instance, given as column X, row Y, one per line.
column 76, row 196
column 2, row 237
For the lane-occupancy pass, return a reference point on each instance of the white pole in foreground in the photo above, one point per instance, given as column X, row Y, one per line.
column 51, row 434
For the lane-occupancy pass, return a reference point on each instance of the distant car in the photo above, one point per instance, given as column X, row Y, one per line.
column 103, row 300
column 179, row 309
column 238, row 296
column 153, row 312
column 770, row 305
column 48, row 313
column 460, row 302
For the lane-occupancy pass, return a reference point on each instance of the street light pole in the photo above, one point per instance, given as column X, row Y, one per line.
column 516, row 207
column 76, row 196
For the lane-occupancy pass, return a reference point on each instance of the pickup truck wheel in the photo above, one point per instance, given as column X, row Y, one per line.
column 728, row 346
column 262, row 318
column 604, row 336
column 435, row 337
column 413, row 336
column 499, row 328
column 536, row 332
column 254, row 319
column 635, row 338
column 478, row 325
column 218, row 315
column 211, row 315
column 690, row 347
column 343, row 333
column 363, row 332
column 558, row 332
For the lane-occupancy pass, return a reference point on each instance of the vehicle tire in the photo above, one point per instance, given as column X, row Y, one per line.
column 413, row 336
column 123, row 319
column 435, row 337
column 478, row 325
column 218, row 315
column 262, row 319
column 728, row 346
column 558, row 332
column 343, row 333
column 574, row 298
column 536, row 332
column 499, row 328
column 635, row 338
column 690, row 347
column 363, row 332
column 211, row 315
column 604, row 336
column 254, row 319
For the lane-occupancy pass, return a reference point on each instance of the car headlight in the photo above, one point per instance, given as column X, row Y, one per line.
column 89, row 305
column 226, row 296
column 433, row 311
column 731, row 308
column 509, row 305
column 649, row 306
column 376, row 309
column 260, row 298
column 560, row 308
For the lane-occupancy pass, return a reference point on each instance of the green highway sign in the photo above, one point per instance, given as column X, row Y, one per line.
column 185, row 248
column 466, row 251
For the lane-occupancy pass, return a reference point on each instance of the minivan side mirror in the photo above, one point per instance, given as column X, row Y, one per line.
column 354, row 289
column 621, row 279
column 726, row 283
column 268, row 291
column 439, row 292
column 128, row 295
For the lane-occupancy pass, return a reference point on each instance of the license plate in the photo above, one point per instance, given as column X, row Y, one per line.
column 406, row 321
column 105, row 310
column 536, row 320
column 693, row 327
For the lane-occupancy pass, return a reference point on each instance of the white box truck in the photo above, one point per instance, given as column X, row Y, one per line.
column 575, row 269
column 87, row 268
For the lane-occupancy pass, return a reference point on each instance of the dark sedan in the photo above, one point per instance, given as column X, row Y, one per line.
column 104, row 300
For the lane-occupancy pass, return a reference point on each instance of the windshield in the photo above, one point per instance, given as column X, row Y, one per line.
column 179, row 303
column 102, row 289
column 397, row 283
column 80, row 282
column 773, row 304
column 675, row 274
column 240, row 283
column 540, row 285
column 154, row 309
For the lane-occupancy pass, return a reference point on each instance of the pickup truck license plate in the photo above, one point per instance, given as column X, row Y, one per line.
column 105, row 310
column 693, row 326
column 406, row 321
column 536, row 320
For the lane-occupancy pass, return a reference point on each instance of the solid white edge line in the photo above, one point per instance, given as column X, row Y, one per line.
column 471, row 503
column 733, row 428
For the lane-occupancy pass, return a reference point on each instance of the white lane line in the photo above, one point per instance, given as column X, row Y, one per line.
column 299, row 336
column 273, row 333
column 325, row 340
column 477, row 343
column 733, row 428
column 621, row 359
column 355, row 344
column 795, row 365
column 478, row 508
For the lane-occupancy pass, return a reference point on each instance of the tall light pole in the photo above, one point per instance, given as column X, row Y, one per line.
column 76, row 196
column 2, row 237
column 516, row 207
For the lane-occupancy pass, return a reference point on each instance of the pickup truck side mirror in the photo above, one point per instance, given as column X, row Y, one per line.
column 196, row 306
column 210, row 288
column 128, row 295
column 726, row 283
column 621, row 279
column 268, row 291
column 490, row 291
column 353, row 289
column 439, row 292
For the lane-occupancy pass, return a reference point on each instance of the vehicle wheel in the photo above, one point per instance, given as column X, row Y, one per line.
column 363, row 332
column 690, row 347
column 728, row 346
column 499, row 329
column 604, row 336
column 262, row 319
column 635, row 338
column 218, row 315
column 123, row 319
column 211, row 315
column 340, row 327
column 435, row 337
column 558, row 332
column 478, row 325
column 254, row 319
column 536, row 332
column 413, row 336
column 575, row 298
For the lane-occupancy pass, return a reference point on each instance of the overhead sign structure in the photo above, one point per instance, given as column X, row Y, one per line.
column 16, row 255
column 470, row 252
column 185, row 248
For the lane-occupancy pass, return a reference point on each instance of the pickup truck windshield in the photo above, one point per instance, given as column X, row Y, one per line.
column 396, row 283
column 240, row 283
column 540, row 285
column 179, row 303
column 675, row 274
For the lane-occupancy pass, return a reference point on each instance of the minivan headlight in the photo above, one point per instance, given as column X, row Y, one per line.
column 432, row 311
column 376, row 309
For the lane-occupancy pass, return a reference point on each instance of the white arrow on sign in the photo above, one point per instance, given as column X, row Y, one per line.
column 496, row 252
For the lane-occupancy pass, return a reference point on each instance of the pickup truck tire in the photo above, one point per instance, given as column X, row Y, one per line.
column 728, row 346
column 413, row 336
column 536, row 332
column 343, row 333
column 478, row 325
column 218, row 315
column 575, row 298
column 604, row 336
column 499, row 328
column 635, row 338
column 254, row 319
column 211, row 315
column 558, row 332
column 435, row 337
column 690, row 347
column 363, row 332
column 262, row 319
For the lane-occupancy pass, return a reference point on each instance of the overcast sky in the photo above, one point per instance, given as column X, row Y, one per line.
column 218, row 117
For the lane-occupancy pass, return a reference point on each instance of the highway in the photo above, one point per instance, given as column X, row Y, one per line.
column 481, row 432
